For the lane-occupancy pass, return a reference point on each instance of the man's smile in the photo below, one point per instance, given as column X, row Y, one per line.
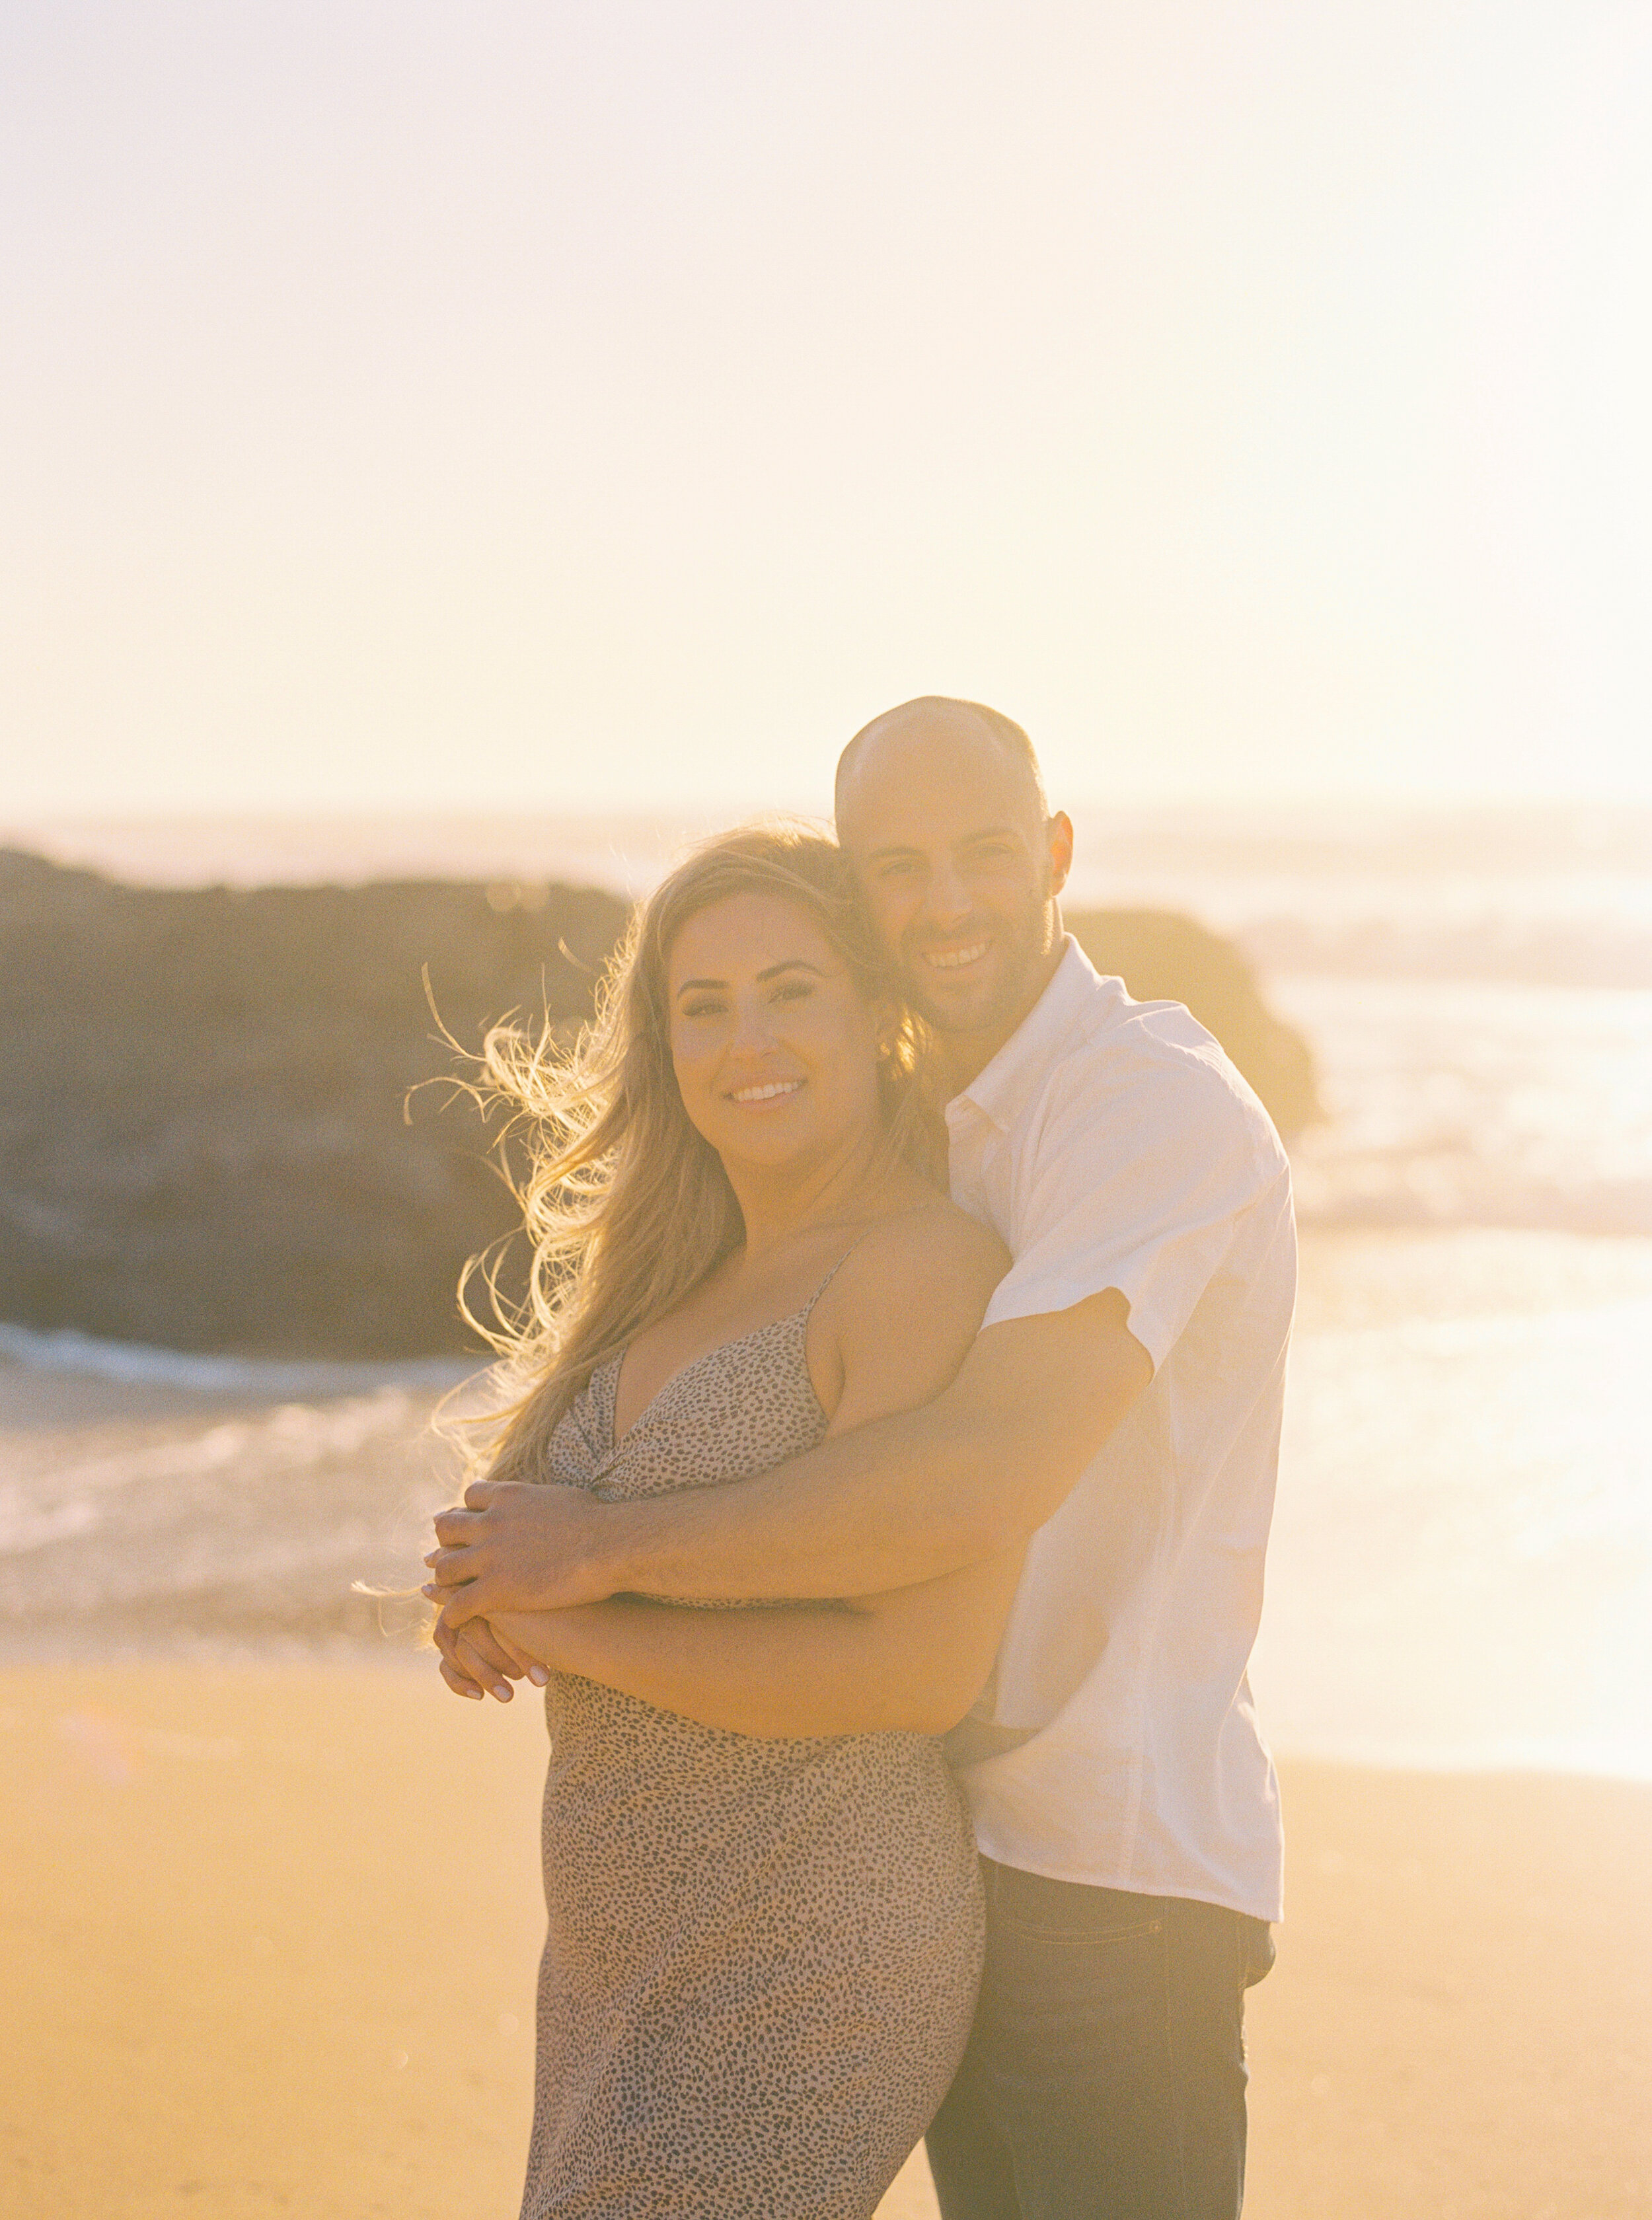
column 956, row 959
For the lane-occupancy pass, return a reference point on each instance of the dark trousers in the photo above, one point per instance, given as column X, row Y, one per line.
column 1104, row 2074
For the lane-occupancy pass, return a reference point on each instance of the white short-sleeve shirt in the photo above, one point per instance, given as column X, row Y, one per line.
column 1113, row 1145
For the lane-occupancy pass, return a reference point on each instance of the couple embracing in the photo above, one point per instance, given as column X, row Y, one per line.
column 890, row 1557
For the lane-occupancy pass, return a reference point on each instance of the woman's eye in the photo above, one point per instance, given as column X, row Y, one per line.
column 702, row 1009
column 796, row 990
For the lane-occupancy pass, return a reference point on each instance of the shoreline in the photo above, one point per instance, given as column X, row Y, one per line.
column 402, row 1657
column 280, row 1921
column 1350, row 1281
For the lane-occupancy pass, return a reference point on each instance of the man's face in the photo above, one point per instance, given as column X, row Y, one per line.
column 958, row 869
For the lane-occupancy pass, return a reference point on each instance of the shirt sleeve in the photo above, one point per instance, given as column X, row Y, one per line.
column 1137, row 1182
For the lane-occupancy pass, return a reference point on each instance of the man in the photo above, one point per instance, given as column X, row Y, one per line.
column 1121, row 1406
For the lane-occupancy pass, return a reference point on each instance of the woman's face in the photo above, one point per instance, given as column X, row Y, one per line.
column 774, row 1051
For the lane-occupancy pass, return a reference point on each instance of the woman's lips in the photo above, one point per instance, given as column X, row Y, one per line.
column 769, row 1090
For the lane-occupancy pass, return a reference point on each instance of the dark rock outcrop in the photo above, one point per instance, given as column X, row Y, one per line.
column 203, row 1139
column 203, row 1142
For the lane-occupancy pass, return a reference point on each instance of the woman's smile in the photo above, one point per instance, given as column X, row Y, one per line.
column 773, row 1090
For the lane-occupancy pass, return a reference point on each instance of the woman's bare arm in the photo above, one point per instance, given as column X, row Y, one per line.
column 914, row 1660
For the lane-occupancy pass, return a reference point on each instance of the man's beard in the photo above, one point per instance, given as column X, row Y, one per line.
column 1022, row 944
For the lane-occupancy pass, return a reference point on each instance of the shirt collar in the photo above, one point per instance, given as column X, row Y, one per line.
column 1004, row 1087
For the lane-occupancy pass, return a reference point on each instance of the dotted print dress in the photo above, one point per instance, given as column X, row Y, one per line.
column 762, row 1955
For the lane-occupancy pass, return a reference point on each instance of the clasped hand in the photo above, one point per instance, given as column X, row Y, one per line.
column 514, row 1546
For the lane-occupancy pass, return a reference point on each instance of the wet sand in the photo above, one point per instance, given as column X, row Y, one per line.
column 276, row 1924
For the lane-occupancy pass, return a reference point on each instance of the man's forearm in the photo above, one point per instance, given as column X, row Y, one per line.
column 903, row 1499
column 886, row 1505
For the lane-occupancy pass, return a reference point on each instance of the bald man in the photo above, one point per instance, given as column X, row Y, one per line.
column 1119, row 1417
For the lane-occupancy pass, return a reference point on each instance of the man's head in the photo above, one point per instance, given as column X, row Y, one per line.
column 941, row 810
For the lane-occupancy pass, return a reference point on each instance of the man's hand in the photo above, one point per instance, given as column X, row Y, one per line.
column 516, row 1546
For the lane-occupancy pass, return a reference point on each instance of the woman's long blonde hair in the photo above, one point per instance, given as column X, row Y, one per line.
column 625, row 1206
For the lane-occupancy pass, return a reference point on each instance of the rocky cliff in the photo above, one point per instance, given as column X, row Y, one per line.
column 212, row 1130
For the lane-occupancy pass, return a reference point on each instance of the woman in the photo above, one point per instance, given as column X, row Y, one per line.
column 765, row 1926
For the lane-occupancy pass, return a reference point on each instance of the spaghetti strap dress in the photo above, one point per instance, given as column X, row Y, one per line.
column 762, row 1955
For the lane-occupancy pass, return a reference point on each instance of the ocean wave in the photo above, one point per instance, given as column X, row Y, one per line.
column 302, row 1380
column 1492, row 1106
column 251, row 1518
column 1415, row 1194
column 1513, row 951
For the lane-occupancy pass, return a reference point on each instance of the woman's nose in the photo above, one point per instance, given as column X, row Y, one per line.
column 753, row 1030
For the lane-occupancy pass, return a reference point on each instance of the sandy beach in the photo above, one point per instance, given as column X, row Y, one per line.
column 277, row 1921
column 274, row 1895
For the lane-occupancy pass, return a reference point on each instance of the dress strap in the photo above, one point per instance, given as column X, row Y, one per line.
column 833, row 1273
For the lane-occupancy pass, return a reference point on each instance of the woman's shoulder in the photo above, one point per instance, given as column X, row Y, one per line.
column 904, row 1306
column 913, row 1248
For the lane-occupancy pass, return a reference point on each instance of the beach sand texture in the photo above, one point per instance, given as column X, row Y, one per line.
column 276, row 1924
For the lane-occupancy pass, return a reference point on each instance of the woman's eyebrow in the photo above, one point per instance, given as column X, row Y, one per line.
column 790, row 963
column 721, row 985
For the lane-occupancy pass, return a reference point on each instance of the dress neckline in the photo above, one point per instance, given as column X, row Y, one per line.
column 616, row 1364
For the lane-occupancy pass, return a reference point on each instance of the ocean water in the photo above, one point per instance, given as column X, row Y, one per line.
column 137, row 1513
column 1461, row 1570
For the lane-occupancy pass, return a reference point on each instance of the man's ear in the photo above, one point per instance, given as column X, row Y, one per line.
column 1059, row 833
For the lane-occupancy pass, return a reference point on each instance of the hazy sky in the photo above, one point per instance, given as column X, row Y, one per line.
column 412, row 406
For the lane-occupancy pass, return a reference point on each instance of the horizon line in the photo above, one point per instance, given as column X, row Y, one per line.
column 714, row 806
